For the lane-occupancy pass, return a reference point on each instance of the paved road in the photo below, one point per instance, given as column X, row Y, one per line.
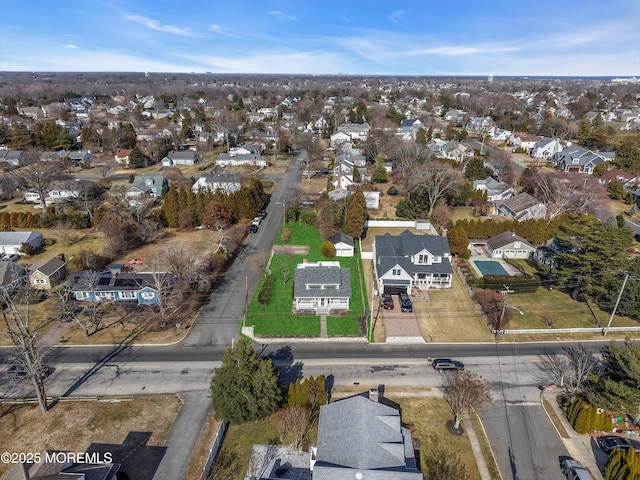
column 220, row 321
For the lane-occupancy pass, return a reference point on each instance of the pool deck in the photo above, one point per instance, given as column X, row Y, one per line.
column 483, row 257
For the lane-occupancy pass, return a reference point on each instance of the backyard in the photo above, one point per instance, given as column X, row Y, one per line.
column 277, row 318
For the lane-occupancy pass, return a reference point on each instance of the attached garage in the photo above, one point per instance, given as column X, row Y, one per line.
column 396, row 287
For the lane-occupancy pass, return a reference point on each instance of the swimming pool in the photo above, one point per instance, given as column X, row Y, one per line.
column 490, row 267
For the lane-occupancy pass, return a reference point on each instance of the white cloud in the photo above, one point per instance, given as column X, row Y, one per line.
column 156, row 25
column 395, row 16
column 70, row 45
column 282, row 16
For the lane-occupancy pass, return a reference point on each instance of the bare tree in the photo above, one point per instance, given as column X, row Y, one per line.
column 28, row 355
column 437, row 180
column 569, row 193
column 465, row 391
column 298, row 420
column 89, row 317
column 166, row 306
column 406, row 156
column 312, row 147
column 65, row 232
column 107, row 165
column 39, row 175
column 279, row 421
column 259, row 260
column 571, row 369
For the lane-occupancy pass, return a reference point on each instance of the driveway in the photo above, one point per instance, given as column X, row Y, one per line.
column 401, row 327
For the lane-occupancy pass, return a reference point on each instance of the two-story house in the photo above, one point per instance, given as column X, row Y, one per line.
column 522, row 207
column 321, row 287
column 357, row 131
column 545, row 148
column 404, row 261
column 577, row 159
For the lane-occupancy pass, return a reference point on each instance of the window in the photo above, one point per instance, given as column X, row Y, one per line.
column 396, row 272
column 105, row 295
column 148, row 295
column 423, row 258
column 40, row 281
column 128, row 295
column 82, row 295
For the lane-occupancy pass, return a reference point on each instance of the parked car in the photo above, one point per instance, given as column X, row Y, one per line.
column 262, row 214
column 387, row 302
column 574, row 470
column 636, row 237
column 256, row 221
column 405, row 303
column 447, row 364
column 253, row 228
column 609, row 443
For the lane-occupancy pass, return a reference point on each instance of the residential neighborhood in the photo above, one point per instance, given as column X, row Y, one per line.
column 323, row 236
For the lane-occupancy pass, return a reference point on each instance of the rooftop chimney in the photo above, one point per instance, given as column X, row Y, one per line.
column 373, row 395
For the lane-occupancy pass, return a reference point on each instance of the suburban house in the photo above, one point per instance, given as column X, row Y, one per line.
column 480, row 124
column 184, row 157
column 522, row 207
column 344, row 244
column 454, row 115
column 48, row 273
column 410, row 127
column 111, row 285
column 13, row 157
column 499, row 134
column 225, row 182
column 338, row 139
column 629, row 180
column 152, row 185
column 577, row 159
column 495, row 190
column 11, row 242
column 404, row 261
column 12, row 275
column 545, row 148
column 252, row 159
column 122, row 155
column 454, row 150
column 523, row 141
column 509, row 245
column 321, row 288
column 357, row 131
column 61, row 191
column 362, row 438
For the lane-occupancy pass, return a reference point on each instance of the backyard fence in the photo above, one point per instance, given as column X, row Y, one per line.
column 215, row 448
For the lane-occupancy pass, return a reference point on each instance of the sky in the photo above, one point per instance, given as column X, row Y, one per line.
column 350, row 37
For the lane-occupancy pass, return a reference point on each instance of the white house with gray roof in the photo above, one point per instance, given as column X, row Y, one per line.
column 321, row 287
column 185, row 157
column 357, row 131
column 11, row 242
column 495, row 190
column 224, row 182
column 509, row 245
column 404, row 261
column 522, row 207
column 362, row 438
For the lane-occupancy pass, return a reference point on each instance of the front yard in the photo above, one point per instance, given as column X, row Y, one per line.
column 277, row 318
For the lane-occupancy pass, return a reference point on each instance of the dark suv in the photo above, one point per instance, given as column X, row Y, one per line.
column 405, row 303
column 447, row 364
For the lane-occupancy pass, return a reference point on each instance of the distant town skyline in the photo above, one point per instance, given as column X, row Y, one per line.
column 458, row 37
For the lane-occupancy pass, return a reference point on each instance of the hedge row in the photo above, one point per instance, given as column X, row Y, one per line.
column 264, row 297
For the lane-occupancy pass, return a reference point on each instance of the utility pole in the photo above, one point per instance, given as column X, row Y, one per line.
column 624, row 283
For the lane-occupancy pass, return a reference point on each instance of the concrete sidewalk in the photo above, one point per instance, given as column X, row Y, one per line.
column 184, row 434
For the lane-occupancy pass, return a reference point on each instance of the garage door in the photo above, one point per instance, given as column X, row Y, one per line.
column 396, row 288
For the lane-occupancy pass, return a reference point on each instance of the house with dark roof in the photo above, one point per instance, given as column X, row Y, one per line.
column 362, row 438
column 522, row 207
column 151, row 185
column 111, row 285
column 509, row 245
column 577, row 159
column 184, row 157
column 404, row 261
column 48, row 273
column 495, row 190
column 628, row 180
column 545, row 148
column 344, row 244
column 12, row 275
column 321, row 287
column 13, row 157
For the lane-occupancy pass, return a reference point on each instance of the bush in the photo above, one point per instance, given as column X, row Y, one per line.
column 286, row 235
column 328, row 249
column 264, row 297
column 393, row 191
column 308, row 218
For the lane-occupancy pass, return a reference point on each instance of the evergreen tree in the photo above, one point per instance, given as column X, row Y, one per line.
column 458, row 241
column 291, row 397
column 245, row 387
column 355, row 214
column 582, row 421
column 328, row 249
column 416, row 205
column 136, row 158
column 421, row 136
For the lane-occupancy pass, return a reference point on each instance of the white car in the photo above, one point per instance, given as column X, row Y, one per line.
column 256, row 221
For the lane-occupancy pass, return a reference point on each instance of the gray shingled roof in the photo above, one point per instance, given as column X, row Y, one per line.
column 18, row 238
column 397, row 250
column 357, row 434
column 48, row 266
column 505, row 238
column 521, row 202
column 341, row 237
column 322, row 275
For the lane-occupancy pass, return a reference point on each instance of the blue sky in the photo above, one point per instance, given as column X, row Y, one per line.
column 419, row 37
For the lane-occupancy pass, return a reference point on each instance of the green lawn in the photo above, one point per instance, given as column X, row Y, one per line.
column 277, row 318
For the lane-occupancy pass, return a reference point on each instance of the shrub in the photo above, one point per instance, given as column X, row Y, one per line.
column 264, row 297
column 393, row 191
column 308, row 218
column 328, row 249
column 286, row 235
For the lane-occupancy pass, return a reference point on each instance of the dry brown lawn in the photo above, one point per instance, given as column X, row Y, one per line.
column 451, row 316
column 73, row 425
